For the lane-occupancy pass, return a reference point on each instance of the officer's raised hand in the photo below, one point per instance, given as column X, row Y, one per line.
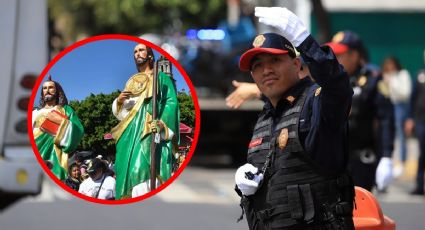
column 289, row 25
column 247, row 180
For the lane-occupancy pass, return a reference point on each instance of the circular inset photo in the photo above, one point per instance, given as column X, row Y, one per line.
column 109, row 112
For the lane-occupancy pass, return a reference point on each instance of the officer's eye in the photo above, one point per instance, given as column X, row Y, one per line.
column 255, row 66
column 275, row 59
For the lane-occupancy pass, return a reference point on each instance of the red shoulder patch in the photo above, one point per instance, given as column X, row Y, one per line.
column 255, row 142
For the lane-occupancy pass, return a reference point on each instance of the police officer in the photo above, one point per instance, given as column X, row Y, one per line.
column 296, row 176
column 417, row 121
column 371, row 117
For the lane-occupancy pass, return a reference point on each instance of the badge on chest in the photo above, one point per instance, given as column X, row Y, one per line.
column 282, row 140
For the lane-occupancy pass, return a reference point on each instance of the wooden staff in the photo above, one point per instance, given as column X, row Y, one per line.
column 154, row 116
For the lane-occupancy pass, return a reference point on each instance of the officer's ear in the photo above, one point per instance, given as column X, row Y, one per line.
column 297, row 62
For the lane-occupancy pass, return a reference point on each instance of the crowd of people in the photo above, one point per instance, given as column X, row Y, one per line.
column 93, row 177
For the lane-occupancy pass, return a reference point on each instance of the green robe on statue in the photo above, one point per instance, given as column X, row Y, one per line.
column 56, row 148
column 133, row 136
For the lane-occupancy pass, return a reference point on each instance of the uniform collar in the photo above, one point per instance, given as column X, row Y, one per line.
column 288, row 98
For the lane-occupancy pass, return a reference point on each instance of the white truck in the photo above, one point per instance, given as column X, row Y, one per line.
column 23, row 54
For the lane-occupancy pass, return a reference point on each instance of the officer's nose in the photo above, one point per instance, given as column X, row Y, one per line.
column 267, row 68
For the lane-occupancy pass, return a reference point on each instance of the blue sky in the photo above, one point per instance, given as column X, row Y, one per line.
column 99, row 67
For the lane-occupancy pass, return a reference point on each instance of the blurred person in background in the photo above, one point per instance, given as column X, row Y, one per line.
column 56, row 127
column 83, row 172
column 400, row 87
column 296, row 174
column 99, row 184
column 74, row 177
column 371, row 124
column 416, row 121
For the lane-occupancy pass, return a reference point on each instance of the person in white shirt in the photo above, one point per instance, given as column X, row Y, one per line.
column 400, row 87
column 99, row 184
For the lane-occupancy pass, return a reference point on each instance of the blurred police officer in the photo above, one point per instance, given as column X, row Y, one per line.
column 417, row 121
column 296, row 176
column 372, row 116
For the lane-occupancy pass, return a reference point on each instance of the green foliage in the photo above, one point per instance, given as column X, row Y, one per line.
column 135, row 17
column 95, row 113
column 187, row 109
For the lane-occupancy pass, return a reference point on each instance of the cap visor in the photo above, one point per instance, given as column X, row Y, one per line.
column 337, row 48
column 246, row 58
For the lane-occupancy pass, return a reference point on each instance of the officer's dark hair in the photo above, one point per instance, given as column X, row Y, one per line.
column 395, row 61
column 60, row 96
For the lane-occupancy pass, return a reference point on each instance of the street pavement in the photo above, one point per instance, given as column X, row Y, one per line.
column 201, row 198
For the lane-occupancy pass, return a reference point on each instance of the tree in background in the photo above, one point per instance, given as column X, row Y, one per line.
column 96, row 116
column 187, row 109
column 73, row 19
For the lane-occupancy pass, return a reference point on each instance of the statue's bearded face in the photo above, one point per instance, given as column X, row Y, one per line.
column 140, row 54
column 49, row 91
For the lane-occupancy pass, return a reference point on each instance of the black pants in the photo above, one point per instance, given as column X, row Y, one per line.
column 420, row 132
column 362, row 172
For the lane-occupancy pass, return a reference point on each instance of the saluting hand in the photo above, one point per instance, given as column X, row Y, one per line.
column 290, row 26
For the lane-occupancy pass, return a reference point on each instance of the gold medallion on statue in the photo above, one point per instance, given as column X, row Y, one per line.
column 137, row 83
column 283, row 138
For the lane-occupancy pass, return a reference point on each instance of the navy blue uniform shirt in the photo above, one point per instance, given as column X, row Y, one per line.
column 324, row 117
column 372, row 116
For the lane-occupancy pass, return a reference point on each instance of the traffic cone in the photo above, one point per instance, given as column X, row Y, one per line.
column 368, row 214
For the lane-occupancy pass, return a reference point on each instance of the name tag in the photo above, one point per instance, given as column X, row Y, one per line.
column 255, row 142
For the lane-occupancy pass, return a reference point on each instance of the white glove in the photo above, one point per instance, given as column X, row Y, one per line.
column 384, row 173
column 291, row 27
column 247, row 187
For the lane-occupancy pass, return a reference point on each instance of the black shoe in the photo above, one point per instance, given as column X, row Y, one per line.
column 417, row 192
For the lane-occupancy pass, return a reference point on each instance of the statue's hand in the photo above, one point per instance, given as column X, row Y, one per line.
column 156, row 126
column 54, row 117
column 124, row 95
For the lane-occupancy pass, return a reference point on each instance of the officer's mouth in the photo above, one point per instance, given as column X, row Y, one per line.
column 269, row 80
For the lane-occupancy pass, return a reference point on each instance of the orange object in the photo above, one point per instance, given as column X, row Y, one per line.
column 368, row 214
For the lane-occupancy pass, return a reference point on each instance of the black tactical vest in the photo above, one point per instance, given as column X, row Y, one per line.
column 362, row 112
column 293, row 195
